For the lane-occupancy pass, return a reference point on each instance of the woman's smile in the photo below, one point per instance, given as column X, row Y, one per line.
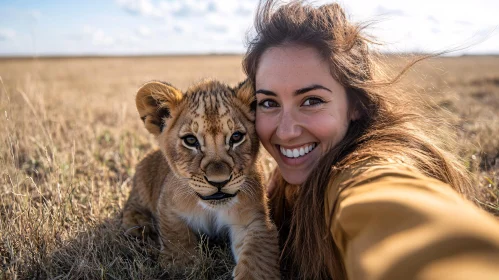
column 299, row 151
column 296, row 155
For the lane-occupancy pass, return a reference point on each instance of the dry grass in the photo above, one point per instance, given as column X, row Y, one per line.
column 70, row 138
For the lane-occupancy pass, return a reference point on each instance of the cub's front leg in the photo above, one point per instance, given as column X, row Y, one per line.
column 178, row 242
column 255, row 247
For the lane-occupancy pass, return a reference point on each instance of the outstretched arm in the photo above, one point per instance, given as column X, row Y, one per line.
column 403, row 225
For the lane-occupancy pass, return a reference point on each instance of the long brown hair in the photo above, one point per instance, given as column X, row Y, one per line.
column 392, row 125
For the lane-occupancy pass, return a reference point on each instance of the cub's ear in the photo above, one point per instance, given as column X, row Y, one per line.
column 246, row 93
column 155, row 101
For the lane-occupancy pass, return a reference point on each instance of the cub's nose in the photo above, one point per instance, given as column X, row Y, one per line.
column 218, row 174
column 218, row 185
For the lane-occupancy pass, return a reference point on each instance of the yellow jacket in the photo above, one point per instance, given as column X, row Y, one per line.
column 391, row 222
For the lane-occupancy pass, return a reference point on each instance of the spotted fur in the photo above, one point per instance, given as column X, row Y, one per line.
column 204, row 179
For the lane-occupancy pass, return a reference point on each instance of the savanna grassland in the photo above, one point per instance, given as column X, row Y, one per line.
column 70, row 137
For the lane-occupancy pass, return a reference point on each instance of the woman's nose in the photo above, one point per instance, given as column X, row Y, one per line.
column 288, row 128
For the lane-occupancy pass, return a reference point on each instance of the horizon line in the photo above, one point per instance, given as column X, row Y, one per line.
column 146, row 55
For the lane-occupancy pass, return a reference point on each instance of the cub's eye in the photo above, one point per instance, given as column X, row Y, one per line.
column 191, row 141
column 312, row 101
column 268, row 103
column 236, row 137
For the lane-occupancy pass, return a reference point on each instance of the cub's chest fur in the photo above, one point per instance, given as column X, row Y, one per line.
column 204, row 178
column 213, row 223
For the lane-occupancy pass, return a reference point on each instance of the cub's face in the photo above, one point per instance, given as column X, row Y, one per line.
column 207, row 135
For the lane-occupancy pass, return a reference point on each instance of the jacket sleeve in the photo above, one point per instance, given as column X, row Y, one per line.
column 398, row 224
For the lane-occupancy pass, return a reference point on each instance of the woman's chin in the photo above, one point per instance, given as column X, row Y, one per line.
column 294, row 177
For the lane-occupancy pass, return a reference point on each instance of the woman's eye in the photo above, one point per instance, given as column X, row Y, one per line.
column 268, row 103
column 312, row 101
column 191, row 141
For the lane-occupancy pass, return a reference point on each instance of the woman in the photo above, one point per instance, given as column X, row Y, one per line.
column 362, row 190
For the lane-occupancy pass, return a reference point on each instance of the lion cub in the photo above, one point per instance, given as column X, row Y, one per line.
column 204, row 178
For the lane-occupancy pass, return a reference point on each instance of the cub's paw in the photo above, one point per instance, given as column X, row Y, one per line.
column 245, row 271
column 241, row 272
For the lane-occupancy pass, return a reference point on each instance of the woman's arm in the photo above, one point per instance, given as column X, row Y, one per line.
column 393, row 224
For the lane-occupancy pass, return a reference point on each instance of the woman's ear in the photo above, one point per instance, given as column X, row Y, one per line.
column 354, row 114
column 356, row 106
column 155, row 100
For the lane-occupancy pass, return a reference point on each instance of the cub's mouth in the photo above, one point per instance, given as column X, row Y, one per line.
column 217, row 196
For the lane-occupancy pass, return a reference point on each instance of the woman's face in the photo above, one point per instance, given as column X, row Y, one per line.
column 302, row 110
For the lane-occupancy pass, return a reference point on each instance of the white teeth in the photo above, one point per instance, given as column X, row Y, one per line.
column 298, row 152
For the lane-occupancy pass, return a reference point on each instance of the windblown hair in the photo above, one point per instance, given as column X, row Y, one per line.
column 392, row 124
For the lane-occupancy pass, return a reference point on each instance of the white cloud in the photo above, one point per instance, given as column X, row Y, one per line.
column 125, row 40
column 141, row 7
column 425, row 25
column 101, row 39
column 7, row 34
column 97, row 36
column 382, row 10
column 210, row 24
column 144, row 31
column 221, row 25
column 188, row 8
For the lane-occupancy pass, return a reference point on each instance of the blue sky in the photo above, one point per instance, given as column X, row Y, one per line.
column 121, row 27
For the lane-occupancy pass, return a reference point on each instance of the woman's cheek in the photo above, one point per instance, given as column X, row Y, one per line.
column 329, row 131
column 263, row 127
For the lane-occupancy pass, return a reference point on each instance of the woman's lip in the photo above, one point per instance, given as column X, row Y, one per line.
column 294, row 161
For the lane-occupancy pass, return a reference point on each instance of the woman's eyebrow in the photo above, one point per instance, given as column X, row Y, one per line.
column 309, row 88
column 266, row 92
column 297, row 92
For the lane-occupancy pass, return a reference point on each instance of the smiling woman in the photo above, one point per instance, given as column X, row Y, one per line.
column 363, row 189
column 301, row 115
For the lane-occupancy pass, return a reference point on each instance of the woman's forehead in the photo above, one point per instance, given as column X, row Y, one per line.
column 290, row 54
column 290, row 68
